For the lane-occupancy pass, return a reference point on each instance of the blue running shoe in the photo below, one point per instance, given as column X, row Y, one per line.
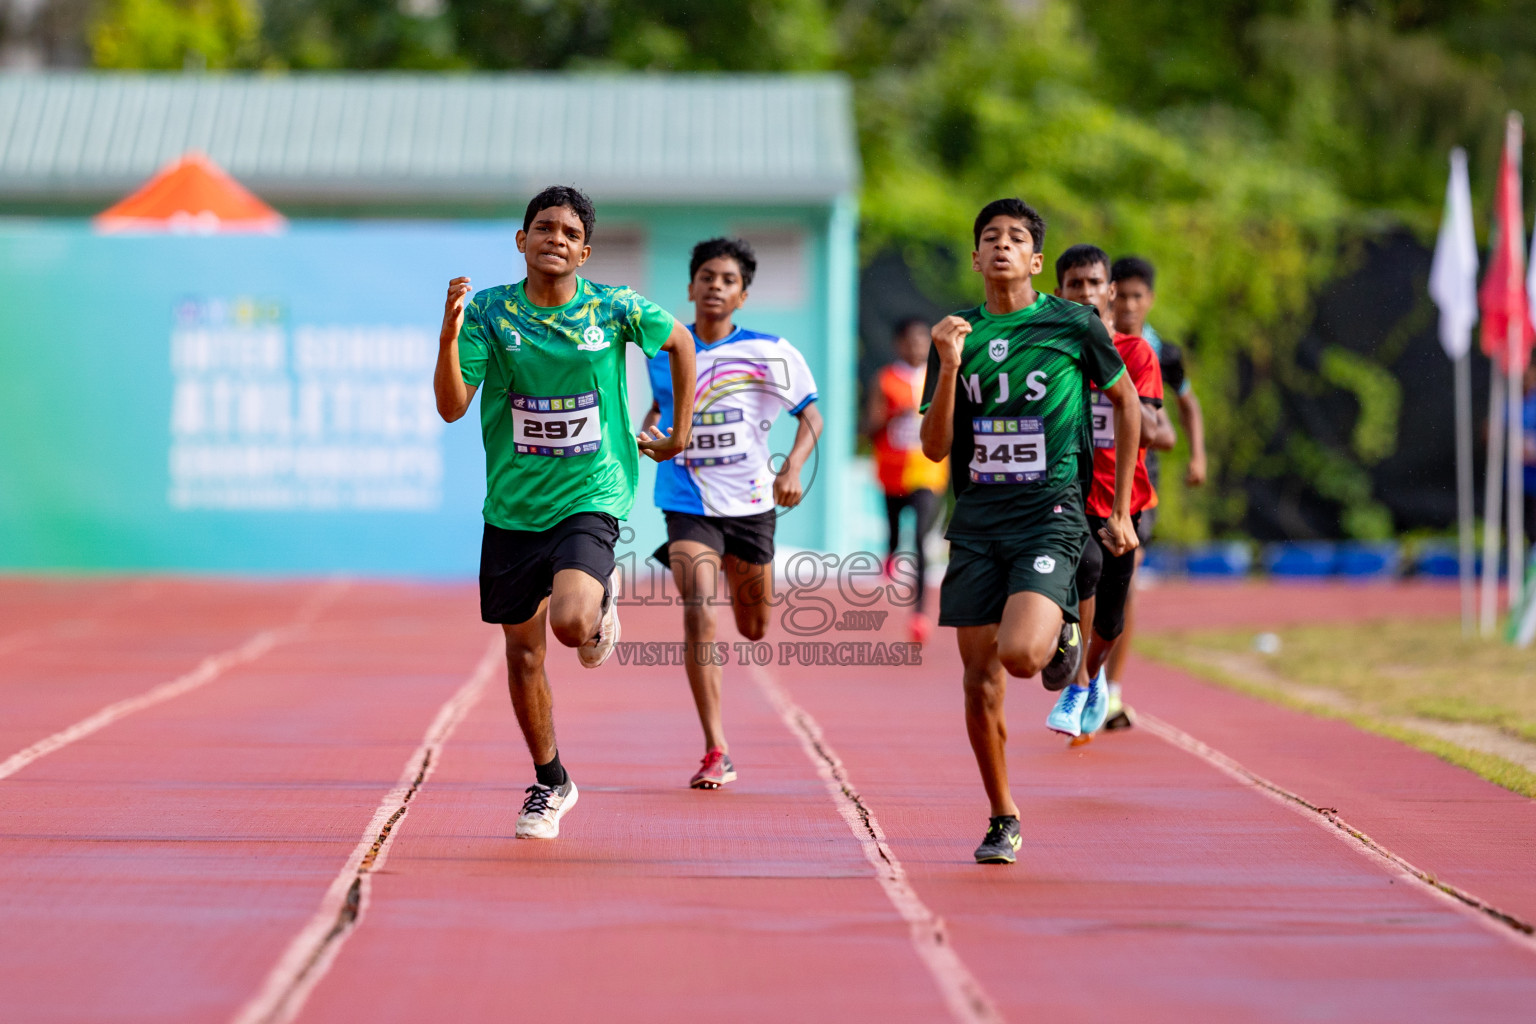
column 1096, row 704
column 1067, row 716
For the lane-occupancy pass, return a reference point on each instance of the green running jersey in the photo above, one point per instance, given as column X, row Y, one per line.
column 1022, row 422
column 554, row 409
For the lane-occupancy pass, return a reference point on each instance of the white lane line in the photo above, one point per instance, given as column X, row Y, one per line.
column 1508, row 925
column 310, row 955
column 206, row 672
column 968, row 1002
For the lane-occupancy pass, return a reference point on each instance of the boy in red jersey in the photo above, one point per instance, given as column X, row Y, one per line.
column 1133, row 279
column 1104, row 578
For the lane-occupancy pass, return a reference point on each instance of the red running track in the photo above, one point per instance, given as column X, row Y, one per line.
column 160, row 867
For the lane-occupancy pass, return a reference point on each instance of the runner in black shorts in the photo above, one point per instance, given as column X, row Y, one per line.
column 561, row 464
column 1134, row 279
column 1006, row 398
column 720, row 496
column 1104, row 576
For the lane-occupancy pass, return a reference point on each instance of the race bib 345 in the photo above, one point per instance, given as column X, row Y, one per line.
column 1008, row 450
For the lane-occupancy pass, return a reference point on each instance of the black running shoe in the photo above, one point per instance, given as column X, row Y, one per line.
column 1069, row 655
column 1002, row 842
column 1120, row 715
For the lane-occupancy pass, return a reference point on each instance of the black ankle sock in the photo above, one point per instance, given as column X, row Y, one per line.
column 551, row 774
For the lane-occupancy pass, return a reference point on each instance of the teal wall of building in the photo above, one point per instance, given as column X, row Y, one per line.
column 114, row 351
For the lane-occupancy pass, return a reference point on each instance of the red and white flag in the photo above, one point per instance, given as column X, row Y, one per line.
column 1503, row 295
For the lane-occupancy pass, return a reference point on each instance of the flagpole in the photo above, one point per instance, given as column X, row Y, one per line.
column 1453, row 287
column 1514, row 447
column 1492, row 500
column 1464, row 514
column 1515, row 464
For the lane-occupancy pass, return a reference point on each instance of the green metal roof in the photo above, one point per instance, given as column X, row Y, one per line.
column 385, row 139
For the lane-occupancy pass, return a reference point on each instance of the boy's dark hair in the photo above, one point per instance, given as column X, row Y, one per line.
column 736, row 248
column 1016, row 208
column 1083, row 255
column 906, row 323
column 1128, row 268
column 568, row 196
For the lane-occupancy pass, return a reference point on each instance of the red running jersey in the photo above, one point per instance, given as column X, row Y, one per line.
column 1142, row 367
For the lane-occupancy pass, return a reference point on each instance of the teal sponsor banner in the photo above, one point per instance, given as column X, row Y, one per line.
column 237, row 403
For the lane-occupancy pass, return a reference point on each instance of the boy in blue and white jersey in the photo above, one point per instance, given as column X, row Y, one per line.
column 720, row 495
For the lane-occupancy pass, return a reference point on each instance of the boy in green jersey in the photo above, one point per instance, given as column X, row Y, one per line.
column 1007, row 400
column 561, row 463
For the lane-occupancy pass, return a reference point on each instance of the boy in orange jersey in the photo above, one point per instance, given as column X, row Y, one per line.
column 908, row 477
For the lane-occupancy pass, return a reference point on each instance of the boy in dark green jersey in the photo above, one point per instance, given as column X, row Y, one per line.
column 561, row 463
column 1006, row 399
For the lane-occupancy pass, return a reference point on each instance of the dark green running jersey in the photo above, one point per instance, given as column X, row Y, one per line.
column 1022, row 413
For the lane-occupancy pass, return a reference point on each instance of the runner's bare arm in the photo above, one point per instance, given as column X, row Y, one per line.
column 1156, row 428
column 652, row 417
column 938, row 430
column 653, row 443
column 1118, row 534
column 453, row 395
column 1194, row 425
column 787, row 490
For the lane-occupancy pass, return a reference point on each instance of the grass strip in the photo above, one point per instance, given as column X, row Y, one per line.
column 1488, row 766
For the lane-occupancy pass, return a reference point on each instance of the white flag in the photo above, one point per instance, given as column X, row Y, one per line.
column 1453, row 274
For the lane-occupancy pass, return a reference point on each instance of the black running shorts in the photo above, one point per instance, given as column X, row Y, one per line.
column 745, row 538
column 517, row 567
column 983, row 574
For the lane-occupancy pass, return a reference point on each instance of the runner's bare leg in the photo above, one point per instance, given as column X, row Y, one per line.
column 575, row 607
column 1029, row 634
column 751, row 595
column 532, row 701
column 696, row 570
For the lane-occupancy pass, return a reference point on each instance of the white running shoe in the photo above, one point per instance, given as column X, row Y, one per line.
column 545, row 806
column 596, row 651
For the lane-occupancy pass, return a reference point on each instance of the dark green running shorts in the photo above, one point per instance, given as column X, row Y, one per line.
column 982, row 574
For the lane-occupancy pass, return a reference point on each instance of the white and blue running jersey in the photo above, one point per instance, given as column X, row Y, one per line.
column 745, row 380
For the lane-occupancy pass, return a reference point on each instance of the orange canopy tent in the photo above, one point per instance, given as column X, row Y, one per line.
column 194, row 196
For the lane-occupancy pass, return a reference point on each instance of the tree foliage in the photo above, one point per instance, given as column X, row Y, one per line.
column 170, row 35
column 1242, row 145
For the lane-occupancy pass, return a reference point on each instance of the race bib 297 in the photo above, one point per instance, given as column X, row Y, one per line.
column 558, row 426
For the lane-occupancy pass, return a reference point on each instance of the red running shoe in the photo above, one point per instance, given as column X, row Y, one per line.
column 715, row 772
column 919, row 628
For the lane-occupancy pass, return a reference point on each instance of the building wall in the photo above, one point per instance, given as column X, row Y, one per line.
column 113, row 453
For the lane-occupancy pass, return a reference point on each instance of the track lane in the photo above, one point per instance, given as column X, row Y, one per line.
column 122, row 640
column 1191, row 896
column 1442, row 818
column 751, row 904
column 32, row 608
column 155, row 871
column 169, row 859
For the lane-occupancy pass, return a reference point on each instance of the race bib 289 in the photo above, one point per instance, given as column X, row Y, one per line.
column 719, row 438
